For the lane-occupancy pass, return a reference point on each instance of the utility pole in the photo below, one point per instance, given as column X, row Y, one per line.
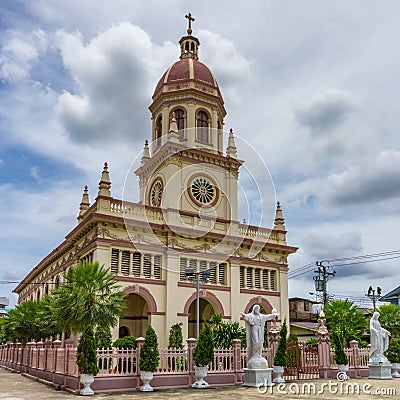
column 371, row 294
column 323, row 273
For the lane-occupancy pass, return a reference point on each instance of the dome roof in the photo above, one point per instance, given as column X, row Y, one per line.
column 184, row 70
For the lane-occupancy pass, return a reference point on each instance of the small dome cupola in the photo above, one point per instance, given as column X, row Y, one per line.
column 188, row 108
column 189, row 44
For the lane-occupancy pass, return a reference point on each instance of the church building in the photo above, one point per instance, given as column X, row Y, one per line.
column 185, row 224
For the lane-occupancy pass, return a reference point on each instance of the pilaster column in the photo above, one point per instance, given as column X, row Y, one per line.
column 273, row 340
column 324, row 349
column 191, row 344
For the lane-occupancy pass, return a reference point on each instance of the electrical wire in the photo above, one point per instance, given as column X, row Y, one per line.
column 367, row 258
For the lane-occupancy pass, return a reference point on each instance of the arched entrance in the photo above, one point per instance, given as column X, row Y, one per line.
column 135, row 316
column 206, row 310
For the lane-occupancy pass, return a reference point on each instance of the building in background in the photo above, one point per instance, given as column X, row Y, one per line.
column 186, row 219
column 392, row 297
column 303, row 316
column 4, row 302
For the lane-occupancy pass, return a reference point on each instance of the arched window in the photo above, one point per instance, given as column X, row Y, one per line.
column 180, row 121
column 56, row 282
column 158, row 131
column 202, row 127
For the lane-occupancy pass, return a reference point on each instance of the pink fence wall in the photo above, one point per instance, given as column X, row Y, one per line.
column 119, row 369
column 358, row 358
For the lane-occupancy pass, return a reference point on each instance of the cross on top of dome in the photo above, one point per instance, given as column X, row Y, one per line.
column 190, row 18
column 189, row 44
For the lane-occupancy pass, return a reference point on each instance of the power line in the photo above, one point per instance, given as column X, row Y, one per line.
column 304, row 270
column 386, row 253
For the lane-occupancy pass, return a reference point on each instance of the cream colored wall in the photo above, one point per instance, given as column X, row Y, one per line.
column 176, row 176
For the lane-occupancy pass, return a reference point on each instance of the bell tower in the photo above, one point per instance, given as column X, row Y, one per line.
column 185, row 167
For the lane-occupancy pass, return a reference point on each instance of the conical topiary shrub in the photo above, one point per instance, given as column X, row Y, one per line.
column 149, row 354
column 340, row 355
column 86, row 359
column 203, row 354
column 280, row 356
column 149, row 358
column 86, row 355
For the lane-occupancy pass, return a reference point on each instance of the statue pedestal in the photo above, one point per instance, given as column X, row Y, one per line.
column 257, row 377
column 380, row 371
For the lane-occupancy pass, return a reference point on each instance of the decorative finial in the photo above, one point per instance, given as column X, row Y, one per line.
column 105, row 183
column 173, row 134
column 85, row 204
column 146, row 152
column 279, row 220
column 190, row 18
column 231, row 150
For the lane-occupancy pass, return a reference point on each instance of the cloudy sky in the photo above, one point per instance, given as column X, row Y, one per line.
column 314, row 86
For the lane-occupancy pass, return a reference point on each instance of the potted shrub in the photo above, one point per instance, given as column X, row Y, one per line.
column 203, row 354
column 393, row 355
column 280, row 356
column 149, row 359
column 86, row 358
column 340, row 357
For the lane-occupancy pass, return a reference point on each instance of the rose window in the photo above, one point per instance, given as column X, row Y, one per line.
column 203, row 190
column 156, row 193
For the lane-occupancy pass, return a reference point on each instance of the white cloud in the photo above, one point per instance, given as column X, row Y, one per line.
column 230, row 68
column 19, row 53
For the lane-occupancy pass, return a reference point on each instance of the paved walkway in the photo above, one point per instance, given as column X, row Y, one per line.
column 14, row 386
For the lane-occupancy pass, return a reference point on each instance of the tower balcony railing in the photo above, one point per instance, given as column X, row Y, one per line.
column 186, row 220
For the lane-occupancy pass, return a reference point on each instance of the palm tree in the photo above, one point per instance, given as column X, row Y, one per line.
column 225, row 332
column 344, row 318
column 390, row 318
column 88, row 296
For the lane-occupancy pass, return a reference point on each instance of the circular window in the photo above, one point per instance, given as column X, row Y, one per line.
column 156, row 193
column 203, row 190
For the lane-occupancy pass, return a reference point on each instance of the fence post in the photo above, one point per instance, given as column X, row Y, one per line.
column 324, row 348
column 273, row 340
column 29, row 356
column 356, row 358
column 236, row 349
column 56, row 346
column 139, row 344
column 191, row 344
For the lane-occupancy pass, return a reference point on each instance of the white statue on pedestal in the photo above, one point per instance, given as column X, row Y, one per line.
column 255, row 324
column 379, row 341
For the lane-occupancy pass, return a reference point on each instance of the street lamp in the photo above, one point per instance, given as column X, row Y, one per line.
column 371, row 294
column 197, row 276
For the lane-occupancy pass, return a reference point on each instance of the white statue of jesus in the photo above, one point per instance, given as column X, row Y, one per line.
column 255, row 324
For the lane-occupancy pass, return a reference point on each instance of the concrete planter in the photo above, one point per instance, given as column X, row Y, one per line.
column 86, row 381
column 201, row 373
column 278, row 371
column 342, row 374
column 146, row 377
column 395, row 370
